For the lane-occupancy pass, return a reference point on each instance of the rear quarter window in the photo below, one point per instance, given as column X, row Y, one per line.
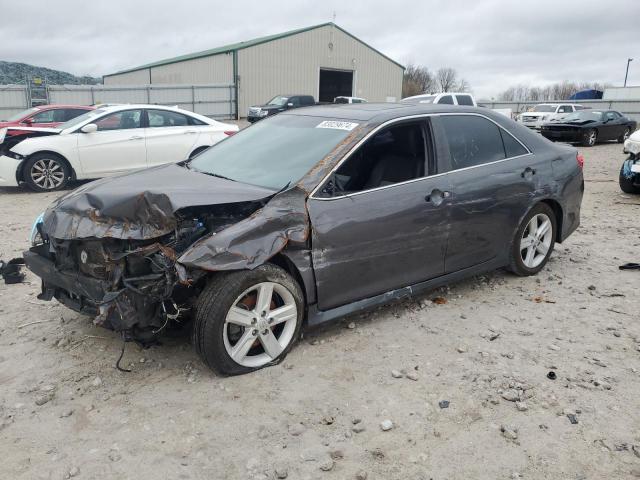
column 446, row 100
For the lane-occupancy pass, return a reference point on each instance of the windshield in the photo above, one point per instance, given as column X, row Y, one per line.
column 544, row 108
column 21, row 115
column 584, row 116
column 279, row 101
column 78, row 120
column 274, row 152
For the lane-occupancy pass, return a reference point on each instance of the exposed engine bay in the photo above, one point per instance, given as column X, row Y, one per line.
column 136, row 286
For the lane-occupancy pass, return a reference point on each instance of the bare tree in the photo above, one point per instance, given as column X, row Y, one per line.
column 447, row 79
column 417, row 79
column 463, row 86
column 555, row 91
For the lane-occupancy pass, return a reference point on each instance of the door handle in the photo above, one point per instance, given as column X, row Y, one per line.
column 190, row 132
column 436, row 197
column 528, row 171
column 136, row 137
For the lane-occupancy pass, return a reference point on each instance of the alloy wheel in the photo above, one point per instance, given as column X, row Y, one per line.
column 536, row 240
column 591, row 139
column 260, row 324
column 47, row 174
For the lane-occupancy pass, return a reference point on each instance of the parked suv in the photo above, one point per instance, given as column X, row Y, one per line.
column 278, row 104
column 446, row 98
column 546, row 112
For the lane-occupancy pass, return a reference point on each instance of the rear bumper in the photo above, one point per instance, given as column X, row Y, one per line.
column 9, row 168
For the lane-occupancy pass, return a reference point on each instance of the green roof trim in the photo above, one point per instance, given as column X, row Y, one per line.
column 242, row 45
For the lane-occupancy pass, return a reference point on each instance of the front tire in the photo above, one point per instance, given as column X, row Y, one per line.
column 590, row 138
column 247, row 320
column 46, row 172
column 622, row 138
column 534, row 241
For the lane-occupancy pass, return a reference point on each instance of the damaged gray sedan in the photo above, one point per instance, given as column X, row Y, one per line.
column 303, row 218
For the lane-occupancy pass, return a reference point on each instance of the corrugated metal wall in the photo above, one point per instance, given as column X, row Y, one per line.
column 292, row 65
column 211, row 100
column 206, row 70
column 630, row 108
column 13, row 99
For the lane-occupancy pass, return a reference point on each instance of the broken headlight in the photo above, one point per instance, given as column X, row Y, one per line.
column 35, row 237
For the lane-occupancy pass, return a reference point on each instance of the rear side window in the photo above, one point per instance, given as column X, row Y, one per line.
column 512, row 147
column 307, row 100
column 164, row 118
column 70, row 113
column 464, row 100
column 472, row 140
column 49, row 116
column 447, row 100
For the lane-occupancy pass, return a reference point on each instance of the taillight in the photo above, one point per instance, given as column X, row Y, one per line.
column 228, row 133
column 580, row 160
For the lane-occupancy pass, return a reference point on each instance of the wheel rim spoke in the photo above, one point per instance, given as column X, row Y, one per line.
column 282, row 314
column 543, row 229
column 270, row 343
column 238, row 316
column 526, row 242
column 265, row 294
column 542, row 248
column 242, row 347
column 531, row 253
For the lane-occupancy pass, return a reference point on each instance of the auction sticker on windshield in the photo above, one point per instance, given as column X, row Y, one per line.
column 337, row 125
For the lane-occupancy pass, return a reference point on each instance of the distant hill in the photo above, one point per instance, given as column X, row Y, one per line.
column 16, row 73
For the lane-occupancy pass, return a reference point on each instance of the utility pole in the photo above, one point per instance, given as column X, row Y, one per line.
column 629, row 60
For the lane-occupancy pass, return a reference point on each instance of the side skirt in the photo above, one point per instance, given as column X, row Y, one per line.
column 317, row 317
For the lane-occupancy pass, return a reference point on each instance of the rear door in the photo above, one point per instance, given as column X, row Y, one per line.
column 494, row 179
column 118, row 145
column 380, row 222
column 169, row 136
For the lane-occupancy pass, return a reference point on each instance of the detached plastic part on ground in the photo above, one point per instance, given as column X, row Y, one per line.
column 11, row 271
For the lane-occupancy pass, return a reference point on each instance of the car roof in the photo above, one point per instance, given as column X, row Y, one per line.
column 130, row 106
column 62, row 105
column 381, row 112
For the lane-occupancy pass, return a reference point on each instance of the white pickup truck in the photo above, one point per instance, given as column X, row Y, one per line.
column 446, row 98
column 545, row 112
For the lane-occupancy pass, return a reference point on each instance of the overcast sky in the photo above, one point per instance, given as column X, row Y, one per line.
column 491, row 43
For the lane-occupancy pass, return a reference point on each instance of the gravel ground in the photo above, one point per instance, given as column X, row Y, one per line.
column 472, row 399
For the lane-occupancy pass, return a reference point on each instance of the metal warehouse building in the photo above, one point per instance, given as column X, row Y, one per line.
column 324, row 61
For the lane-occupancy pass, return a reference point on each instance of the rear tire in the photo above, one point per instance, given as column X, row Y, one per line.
column 46, row 172
column 232, row 314
column 590, row 138
column 533, row 242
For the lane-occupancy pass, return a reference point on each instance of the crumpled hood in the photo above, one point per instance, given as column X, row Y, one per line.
column 141, row 205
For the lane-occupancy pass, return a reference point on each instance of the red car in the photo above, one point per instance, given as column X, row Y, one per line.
column 47, row 116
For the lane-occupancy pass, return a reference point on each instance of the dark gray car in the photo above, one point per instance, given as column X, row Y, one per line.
column 305, row 217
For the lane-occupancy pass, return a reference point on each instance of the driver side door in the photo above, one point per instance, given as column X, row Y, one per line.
column 380, row 221
column 118, row 146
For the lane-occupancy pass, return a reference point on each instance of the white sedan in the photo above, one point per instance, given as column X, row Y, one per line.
column 108, row 141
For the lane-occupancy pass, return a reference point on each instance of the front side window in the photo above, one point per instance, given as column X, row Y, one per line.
column 393, row 155
column 565, row 109
column 295, row 101
column 464, row 100
column 123, row 120
column 164, row 118
column 613, row 115
column 472, row 140
column 446, row 100
column 278, row 101
column 275, row 152
column 48, row 116
column 82, row 118
column 307, row 101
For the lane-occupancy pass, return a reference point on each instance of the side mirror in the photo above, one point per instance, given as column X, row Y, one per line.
column 28, row 121
column 289, row 104
column 89, row 128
